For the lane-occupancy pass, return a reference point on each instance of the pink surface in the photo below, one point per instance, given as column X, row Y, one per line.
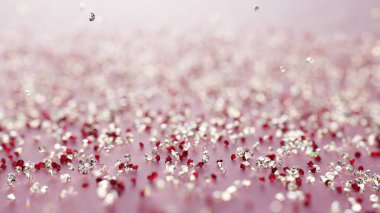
column 204, row 81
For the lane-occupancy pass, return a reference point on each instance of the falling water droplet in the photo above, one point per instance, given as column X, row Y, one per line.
column 92, row 17
column 309, row 60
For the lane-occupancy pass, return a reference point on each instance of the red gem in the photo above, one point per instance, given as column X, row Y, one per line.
column 84, row 185
column 352, row 161
column 355, row 187
column 121, row 166
column 318, row 158
column 272, row 177
column 359, row 200
column 233, row 157
column 262, row 179
column 310, row 163
column 158, row 158
column 135, row 167
column 242, row 166
column 113, row 182
column 133, row 181
column 339, row 189
column 141, row 145
column 189, row 161
column 168, row 159
column 97, row 157
column 298, row 182
column 20, row 163
column 358, row 154
column 96, row 148
column 313, row 170
column 213, row 177
column 301, row 172
column 98, row 179
column 196, row 174
column 271, row 156
column 361, row 168
column 375, row 154
column 153, row 176
column 201, row 164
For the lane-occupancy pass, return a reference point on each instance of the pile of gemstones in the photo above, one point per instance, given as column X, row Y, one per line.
column 218, row 121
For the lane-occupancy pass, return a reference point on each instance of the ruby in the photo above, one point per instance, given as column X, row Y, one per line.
column 170, row 148
column 226, row 143
column 158, row 158
column 3, row 161
column 185, row 153
column 242, row 166
column 84, row 185
column 272, row 177
column 352, row 161
column 358, row 154
column 273, row 169
column 196, row 174
column 129, row 165
column 141, row 145
column 339, row 189
column 355, row 187
column 153, row 176
column 310, row 163
column 113, row 182
column 318, row 158
column 120, row 187
column 308, row 196
column 262, row 179
column 286, row 168
column 313, row 170
column 96, row 148
column 360, row 168
column 298, row 182
column 271, row 156
column 375, row 154
column 213, row 177
column 98, row 179
column 189, row 161
column 301, row 172
column 20, row 163
column 158, row 144
column 233, row 157
column 135, row 167
column 359, row 200
column 121, row 166
column 14, row 163
column 201, row 164
column 16, row 154
column 133, row 181
column 97, row 157
column 56, row 166
column 69, row 151
column 219, row 161
column 168, row 159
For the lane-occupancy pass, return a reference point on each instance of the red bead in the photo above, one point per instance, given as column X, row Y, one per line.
column 358, row 154
column 310, row 163
column 135, row 167
column 339, row 189
column 298, row 182
column 233, row 157
column 318, row 158
column 201, row 164
column 213, row 177
column 158, row 157
column 189, row 162
column 360, row 168
column 272, row 177
column 262, row 179
column 121, row 166
column 355, row 187
column 133, row 181
column 84, row 185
